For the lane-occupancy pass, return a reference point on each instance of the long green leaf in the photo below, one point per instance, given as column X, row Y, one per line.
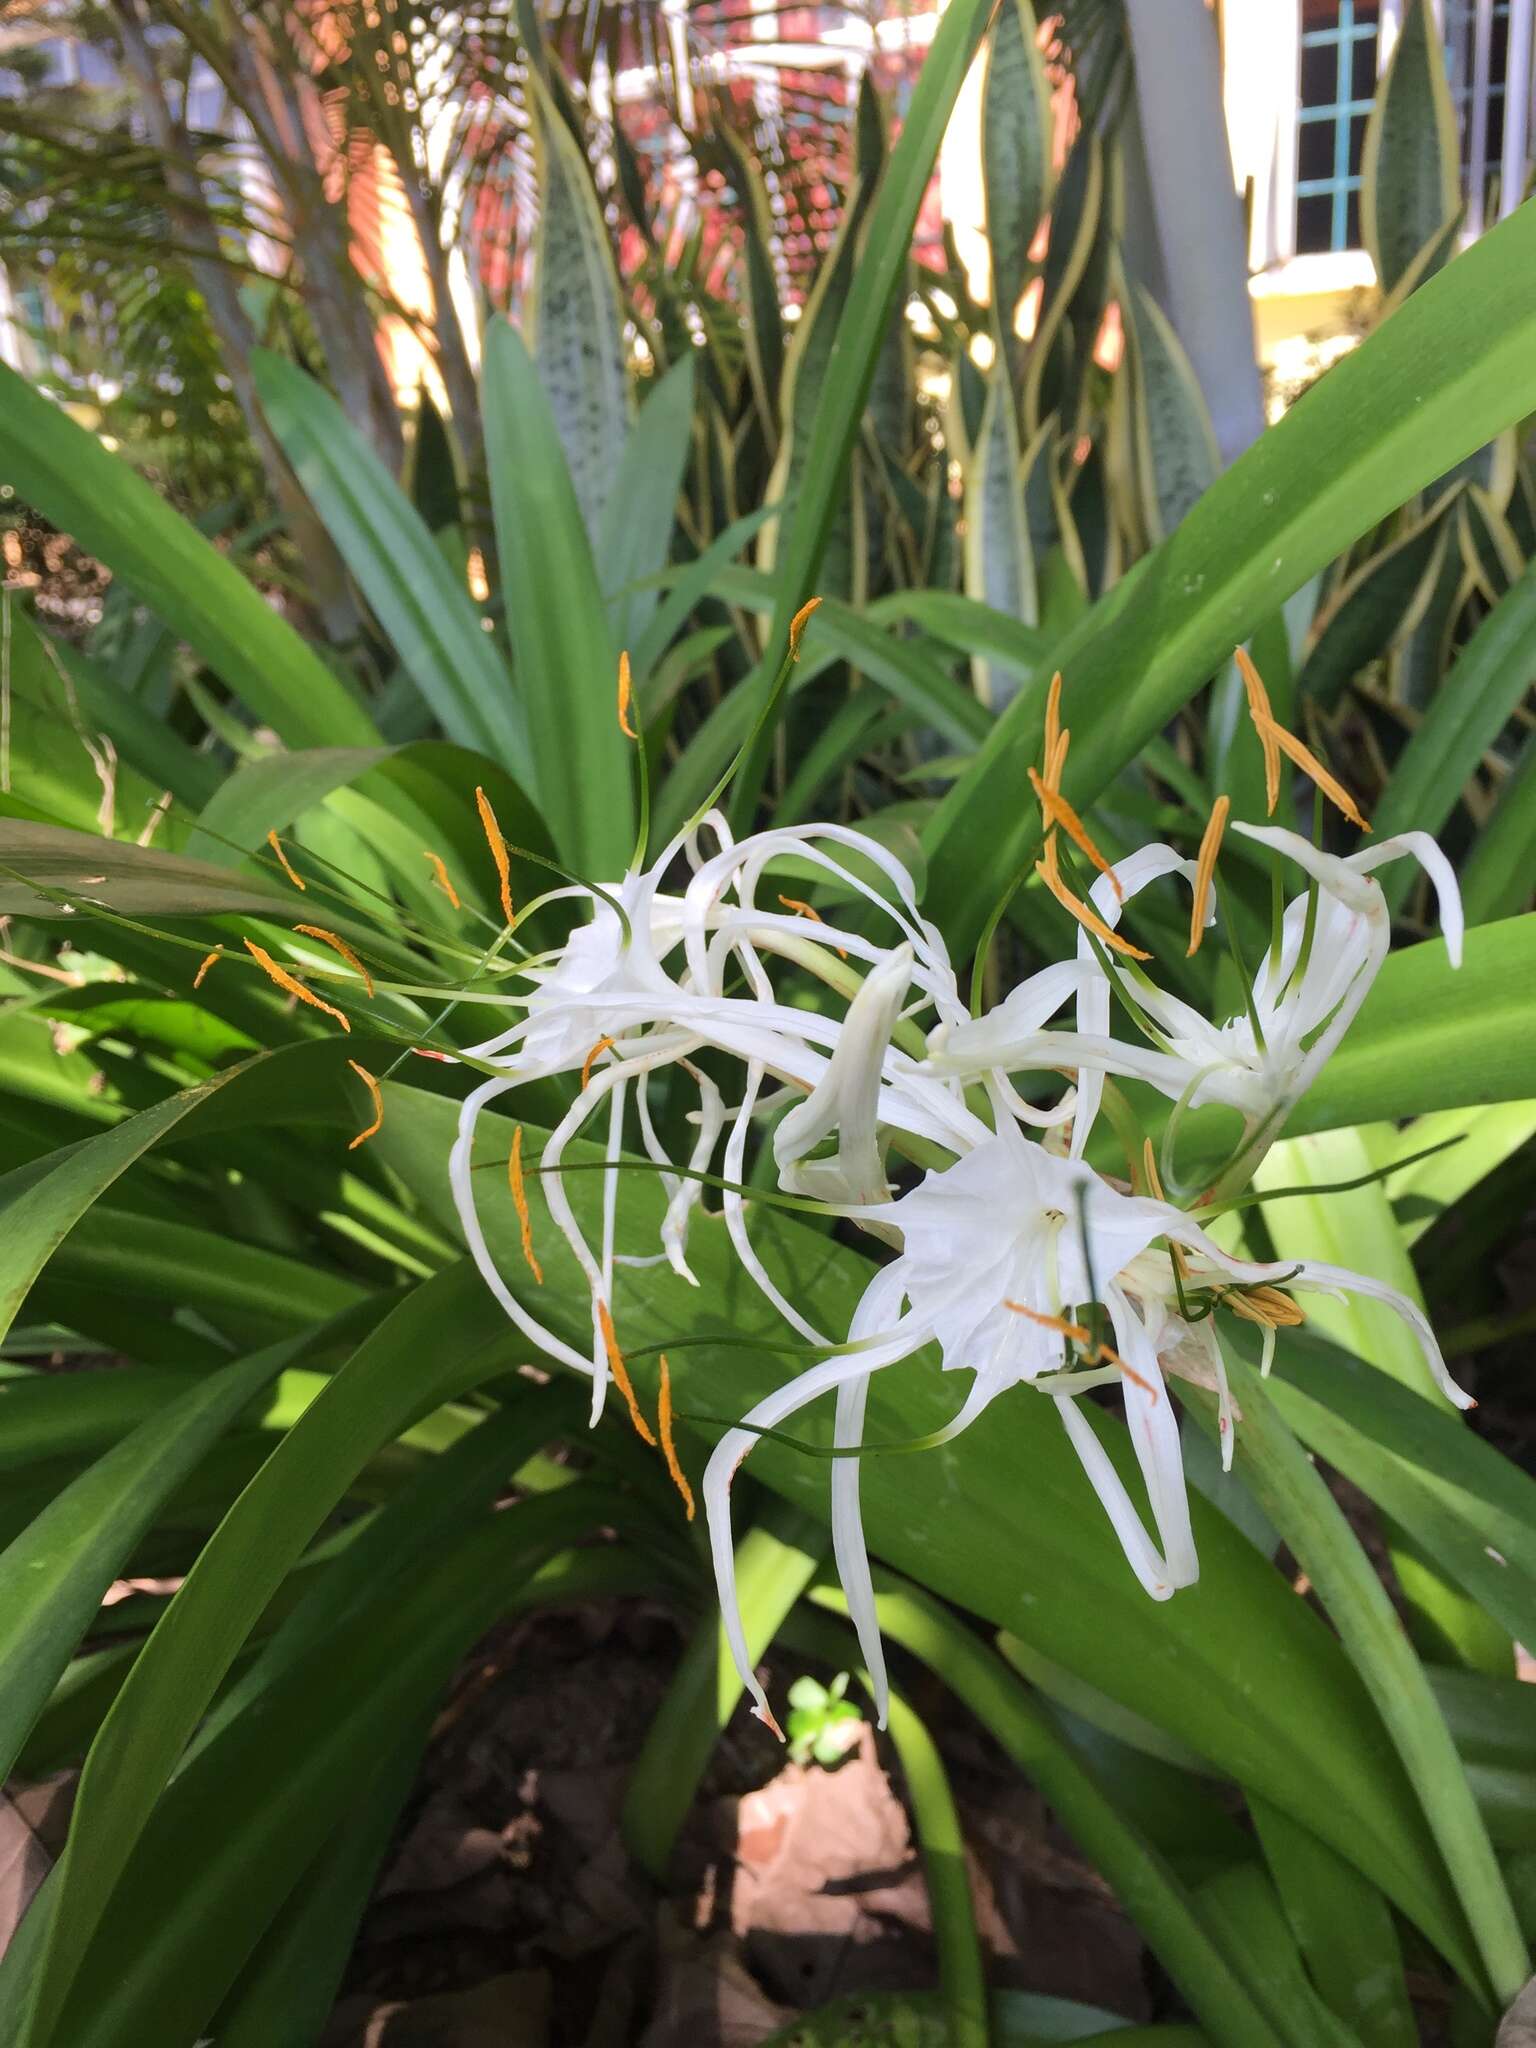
column 53, row 1576
column 566, row 661
column 1452, row 367
column 1298, row 1501
column 642, row 504
column 1475, row 702
column 423, row 607
column 399, row 1372
column 114, row 515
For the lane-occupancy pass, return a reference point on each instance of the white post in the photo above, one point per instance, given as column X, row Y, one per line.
column 1477, row 107
column 1517, row 102
column 1195, row 205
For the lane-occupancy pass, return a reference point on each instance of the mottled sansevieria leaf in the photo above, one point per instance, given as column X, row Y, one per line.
column 1015, row 156
column 1076, row 218
column 576, row 317
column 1409, row 173
column 1176, row 457
column 999, row 565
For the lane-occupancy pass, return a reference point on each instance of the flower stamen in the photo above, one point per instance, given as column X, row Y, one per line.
column 1055, row 810
column 1276, row 740
column 285, row 863
column 809, row 910
column 376, row 1094
column 318, row 931
column 1050, row 874
column 292, row 985
column 498, row 847
column 603, row 1045
column 520, row 1204
column 798, row 624
column 1075, row 1331
column 621, row 1378
column 1205, row 870
column 1264, row 1305
column 625, row 692
column 207, row 961
column 441, row 877
column 668, row 1445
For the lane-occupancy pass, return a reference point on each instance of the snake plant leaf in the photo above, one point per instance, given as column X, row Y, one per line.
column 999, row 563
column 1176, row 453
column 1410, row 170
column 577, row 313
column 1016, row 136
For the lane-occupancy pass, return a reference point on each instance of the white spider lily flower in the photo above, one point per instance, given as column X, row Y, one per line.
column 1001, row 1253
column 846, row 1100
column 988, row 1044
column 1262, row 1061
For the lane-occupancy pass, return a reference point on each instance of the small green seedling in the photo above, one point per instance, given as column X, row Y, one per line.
column 818, row 1715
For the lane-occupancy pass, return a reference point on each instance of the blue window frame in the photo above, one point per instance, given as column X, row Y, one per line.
column 1338, row 79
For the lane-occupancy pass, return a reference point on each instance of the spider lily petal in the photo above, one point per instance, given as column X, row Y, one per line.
column 846, row 1099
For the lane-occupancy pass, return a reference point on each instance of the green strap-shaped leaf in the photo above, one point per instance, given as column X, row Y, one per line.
column 423, row 607
column 1297, row 1500
column 1176, row 454
column 1445, row 374
column 1497, row 879
column 577, row 314
column 114, row 515
column 53, row 1576
column 1410, row 171
column 1016, row 137
column 999, row 563
column 642, row 504
column 1373, row 609
column 1472, row 707
column 566, row 660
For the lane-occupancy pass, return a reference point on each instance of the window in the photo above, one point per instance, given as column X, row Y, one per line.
column 1338, row 79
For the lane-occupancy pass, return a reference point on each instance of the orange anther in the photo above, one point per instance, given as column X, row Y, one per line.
column 1330, row 785
column 293, row 987
column 376, row 1093
column 625, row 692
column 318, row 931
column 1034, row 1315
column 1055, row 810
column 1052, row 724
column 1263, row 724
column 621, row 1378
column 498, row 847
column 1050, row 874
column 798, row 624
column 284, row 862
column 809, row 910
column 440, row 876
column 207, row 961
column 602, row 1045
column 668, row 1447
column 1205, row 869
column 520, row 1203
